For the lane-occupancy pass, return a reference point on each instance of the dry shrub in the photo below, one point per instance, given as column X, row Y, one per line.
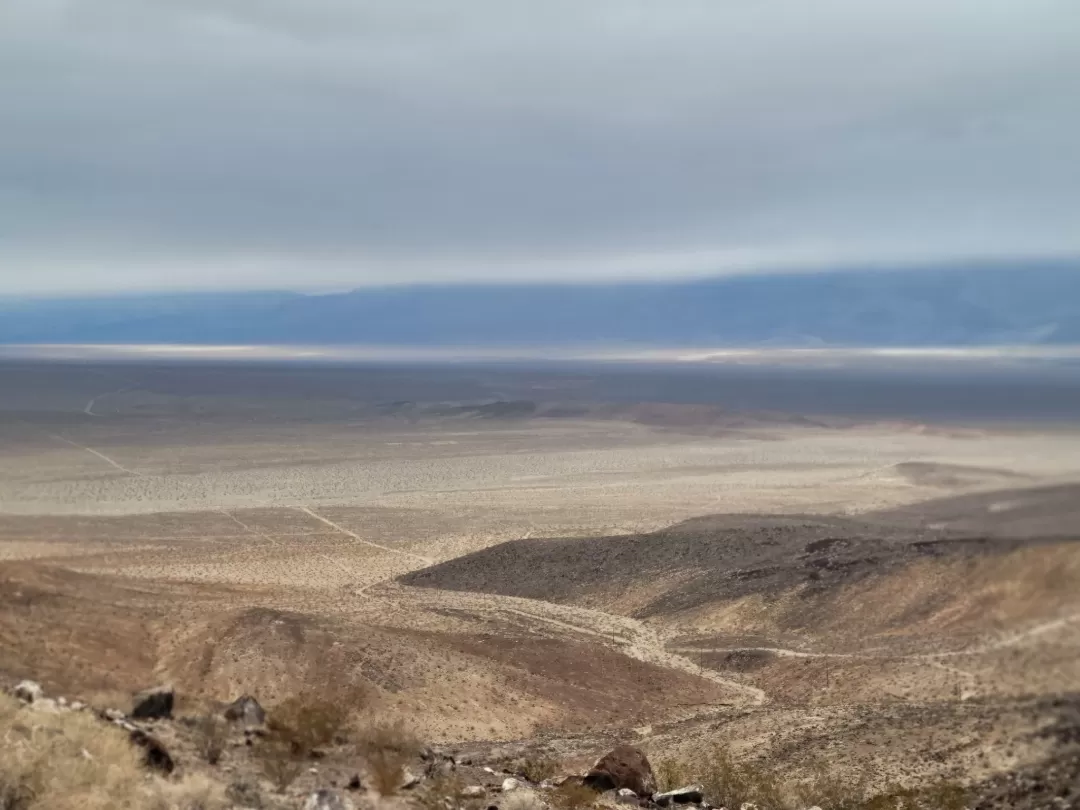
column 939, row 796
column 193, row 792
column 306, row 722
column 73, row 761
column 672, row 774
column 279, row 762
column 537, row 769
column 444, row 793
column 387, row 748
column 572, row 796
column 211, row 737
column 728, row 783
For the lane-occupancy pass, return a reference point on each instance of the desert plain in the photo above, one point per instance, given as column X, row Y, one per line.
column 572, row 555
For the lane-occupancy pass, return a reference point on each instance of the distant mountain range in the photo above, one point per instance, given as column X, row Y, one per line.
column 1032, row 302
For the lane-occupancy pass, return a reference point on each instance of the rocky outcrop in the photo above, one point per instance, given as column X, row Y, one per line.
column 28, row 691
column 153, row 704
column 625, row 767
column 246, row 711
column 692, row 794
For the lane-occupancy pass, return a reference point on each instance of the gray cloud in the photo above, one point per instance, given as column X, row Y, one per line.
column 158, row 143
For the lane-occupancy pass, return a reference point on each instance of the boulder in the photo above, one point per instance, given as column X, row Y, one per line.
column 245, row 710
column 153, row 704
column 328, row 800
column 625, row 767
column 473, row 791
column 155, row 754
column 28, row 691
column 691, row 794
column 510, row 784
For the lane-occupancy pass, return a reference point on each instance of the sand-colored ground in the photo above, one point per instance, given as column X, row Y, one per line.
column 206, row 531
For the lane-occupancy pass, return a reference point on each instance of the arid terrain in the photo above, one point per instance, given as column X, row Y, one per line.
column 503, row 555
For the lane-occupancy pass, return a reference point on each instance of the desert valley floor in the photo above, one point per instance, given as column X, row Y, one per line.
column 507, row 554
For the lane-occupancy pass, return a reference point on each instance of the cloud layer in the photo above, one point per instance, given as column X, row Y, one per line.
column 298, row 143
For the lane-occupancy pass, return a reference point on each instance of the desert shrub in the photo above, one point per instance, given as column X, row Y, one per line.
column 211, row 737
column 572, row 796
column 387, row 748
column 938, row 796
column 278, row 761
column 672, row 774
column 729, row 783
column 538, row 768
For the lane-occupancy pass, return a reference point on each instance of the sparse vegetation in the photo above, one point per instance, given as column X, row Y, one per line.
column 211, row 736
column 572, row 796
column 279, row 762
column 72, row 761
column 387, row 748
column 730, row 783
column 537, row 768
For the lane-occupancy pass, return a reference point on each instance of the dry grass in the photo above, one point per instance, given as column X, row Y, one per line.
column 537, row 769
column 729, row 783
column 73, row 761
column 572, row 796
column 387, row 748
column 279, row 762
column 211, row 737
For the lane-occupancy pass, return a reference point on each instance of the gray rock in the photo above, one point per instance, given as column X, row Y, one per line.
column 247, row 711
column 152, row 704
column 510, row 784
column 473, row 791
column 28, row 691
column 328, row 800
column 691, row 794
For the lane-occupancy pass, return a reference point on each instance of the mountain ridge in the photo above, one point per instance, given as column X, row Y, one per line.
column 1023, row 302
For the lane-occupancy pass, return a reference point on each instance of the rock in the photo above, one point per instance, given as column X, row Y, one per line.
column 155, row 754
column 409, row 780
column 245, row 710
column 151, row 704
column 625, row 767
column 691, row 794
column 28, row 691
column 473, row 791
column 112, row 715
column 510, row 784
column 328, row 800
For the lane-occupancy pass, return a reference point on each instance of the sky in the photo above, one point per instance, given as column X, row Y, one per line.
column 327, row 144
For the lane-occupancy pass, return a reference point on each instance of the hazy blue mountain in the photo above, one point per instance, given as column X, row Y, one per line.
column 1021, row 302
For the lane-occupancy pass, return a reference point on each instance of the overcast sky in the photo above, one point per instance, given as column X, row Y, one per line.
column 150, row 144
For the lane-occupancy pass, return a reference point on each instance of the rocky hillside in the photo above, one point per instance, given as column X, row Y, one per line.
column 313, row 753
